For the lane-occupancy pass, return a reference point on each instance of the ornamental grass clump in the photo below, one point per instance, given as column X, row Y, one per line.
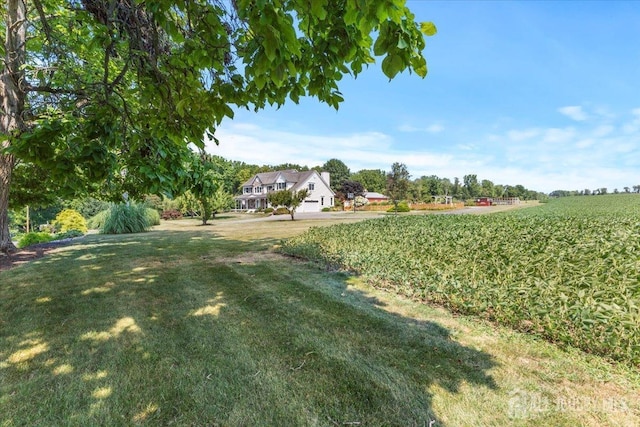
column 127, row 218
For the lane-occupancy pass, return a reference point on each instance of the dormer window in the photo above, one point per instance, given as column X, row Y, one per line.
column 312, row 186
column 257, row 190
column 247, row 190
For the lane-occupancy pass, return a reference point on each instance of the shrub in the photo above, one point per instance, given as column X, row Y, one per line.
column 326, row 209
column 281, row 211
column 34, row 238
column 169, row 214
column 70, row 219
column 402, row 207
column 268, row 211
column 153, row 216
column 122, row 218
column 69, row 234
column 97, row 221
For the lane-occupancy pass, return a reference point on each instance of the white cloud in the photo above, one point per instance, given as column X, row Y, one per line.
column 574, row 112
column 605, row 153
column 434, row 128
column 522, row 135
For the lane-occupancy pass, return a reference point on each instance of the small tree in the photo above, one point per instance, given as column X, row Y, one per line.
column 220, row 201
column 398, row 183
column 288, row 199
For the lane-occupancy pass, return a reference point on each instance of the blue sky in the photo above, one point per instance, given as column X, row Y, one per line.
column 543, row 94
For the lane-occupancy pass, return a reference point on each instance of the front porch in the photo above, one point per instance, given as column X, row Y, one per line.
column 252, row 202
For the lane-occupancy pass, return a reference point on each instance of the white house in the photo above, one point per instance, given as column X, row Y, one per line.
column 255, row 190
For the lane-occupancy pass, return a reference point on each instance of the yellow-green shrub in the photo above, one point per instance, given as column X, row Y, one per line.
column 70, row 219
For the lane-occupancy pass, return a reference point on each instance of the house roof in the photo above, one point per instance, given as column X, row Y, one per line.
column 267, row 178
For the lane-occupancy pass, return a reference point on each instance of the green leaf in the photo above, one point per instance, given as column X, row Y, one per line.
column 318, row 9
column 419, row 65
column 392, row 65
column 428, row 28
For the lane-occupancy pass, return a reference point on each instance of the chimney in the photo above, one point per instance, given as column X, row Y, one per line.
column 326, row 178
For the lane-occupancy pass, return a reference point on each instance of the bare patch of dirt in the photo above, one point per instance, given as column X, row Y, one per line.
column 28, row 254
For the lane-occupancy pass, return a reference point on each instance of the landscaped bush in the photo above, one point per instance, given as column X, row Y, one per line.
column 70, row 219
column 123, row 218
column 402, row 207
column 268, row 211
column 326, row 209
column 281, row 211
column 170, row 214
column 34, row 238
column 97, row 221
column 153, row 216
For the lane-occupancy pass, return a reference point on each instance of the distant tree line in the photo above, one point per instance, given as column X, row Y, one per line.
column 594, row 192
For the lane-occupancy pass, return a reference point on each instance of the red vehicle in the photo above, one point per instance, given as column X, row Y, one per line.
column 483, row 201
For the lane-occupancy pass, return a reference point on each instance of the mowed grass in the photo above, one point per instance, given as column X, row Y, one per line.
column 190, row 325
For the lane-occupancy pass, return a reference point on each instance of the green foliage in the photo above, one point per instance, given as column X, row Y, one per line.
column 374, row 180
column 97, row 221
column 268, row 211
column 70, row 219
column 153, row 216
column 33, row 239
column 123, row 218
column 111, row 89
column 567, row 271
column 88, row 206
column 287, row 199
column 338, row 173
column 398, row 182
column 400, row 207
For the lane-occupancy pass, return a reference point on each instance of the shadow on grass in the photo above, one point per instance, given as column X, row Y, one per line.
column 192, row 329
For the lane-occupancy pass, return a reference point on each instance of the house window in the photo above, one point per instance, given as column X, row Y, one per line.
column 257, row 190
column 281, row 185
column 269, row 188
column 247, row 190
column 312, row 186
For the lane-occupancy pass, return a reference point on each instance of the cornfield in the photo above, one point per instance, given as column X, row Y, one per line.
column 568, row 271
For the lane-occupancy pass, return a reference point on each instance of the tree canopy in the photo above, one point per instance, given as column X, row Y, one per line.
column 113, row 91
column 288, row 199
column 338, row 173
column 398, row 183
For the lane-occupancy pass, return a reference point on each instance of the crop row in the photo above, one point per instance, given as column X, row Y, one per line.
column 570, row 273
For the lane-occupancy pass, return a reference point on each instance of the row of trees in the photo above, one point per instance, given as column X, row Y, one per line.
column 594, row 192
column 420, row 189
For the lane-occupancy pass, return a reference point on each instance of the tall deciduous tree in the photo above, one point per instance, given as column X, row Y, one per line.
column 338, row 173
column 371, row 179
column 113, row 90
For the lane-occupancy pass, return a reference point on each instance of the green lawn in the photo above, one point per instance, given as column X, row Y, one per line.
column 190, row 325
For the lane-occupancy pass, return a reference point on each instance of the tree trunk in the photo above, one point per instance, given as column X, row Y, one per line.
column 13, row 99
